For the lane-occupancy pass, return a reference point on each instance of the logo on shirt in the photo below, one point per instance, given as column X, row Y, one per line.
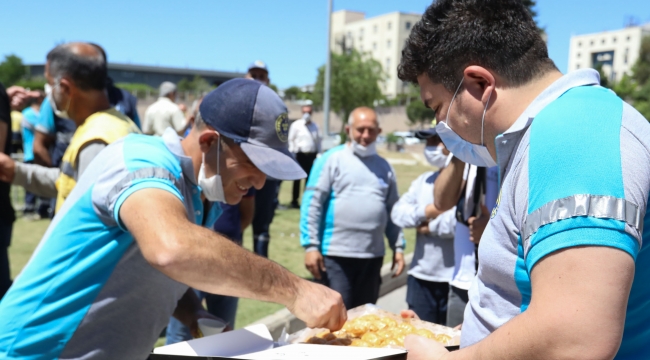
column 496, row 206
column 282, row 127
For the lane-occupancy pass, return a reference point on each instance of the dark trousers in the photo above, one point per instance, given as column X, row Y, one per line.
column 456, row 304
column 428, row 299
column 5, row 272
column 266, row 200
column 357, row 280
column 305, row 160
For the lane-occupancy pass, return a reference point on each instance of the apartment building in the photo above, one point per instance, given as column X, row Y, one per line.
column 381, row 37
column 616, row 51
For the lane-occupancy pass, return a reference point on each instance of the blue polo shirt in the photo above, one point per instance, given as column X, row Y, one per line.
column 575, row 171
column 31, row 119
column 87, row 291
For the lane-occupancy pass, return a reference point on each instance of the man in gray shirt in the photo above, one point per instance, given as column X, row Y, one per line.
column 433, row 261
column 345, row 213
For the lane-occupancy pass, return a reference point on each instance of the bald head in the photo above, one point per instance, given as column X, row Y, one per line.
column 363, row 113
column 363, row 125
column 81, row 63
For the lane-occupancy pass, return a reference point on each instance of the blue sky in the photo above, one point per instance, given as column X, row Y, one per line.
column 290, row 35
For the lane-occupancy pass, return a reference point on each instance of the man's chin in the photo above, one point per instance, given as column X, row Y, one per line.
column 233, row 199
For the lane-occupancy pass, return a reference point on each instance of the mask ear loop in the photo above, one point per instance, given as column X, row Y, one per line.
column 218, row 155
column 483, row 119
column 452, row 102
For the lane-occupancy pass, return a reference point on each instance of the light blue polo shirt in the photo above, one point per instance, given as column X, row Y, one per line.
column 575, row 171
column 31, row 118
column 87, row 292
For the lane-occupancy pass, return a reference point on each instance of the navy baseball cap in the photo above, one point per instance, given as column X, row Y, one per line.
column 425, row 134
column 255, row 117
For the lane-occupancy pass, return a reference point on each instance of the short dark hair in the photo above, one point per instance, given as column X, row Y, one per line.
column 499, row 35
column 87, row 72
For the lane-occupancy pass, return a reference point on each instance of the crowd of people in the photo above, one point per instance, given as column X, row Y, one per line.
column 529, row 226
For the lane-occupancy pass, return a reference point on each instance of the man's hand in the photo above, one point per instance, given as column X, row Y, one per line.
column 477, row 225
column 318, row 306
column 314, row 263
column 423, row 228
column 432, row 212
column 7, row 168
column 398, row 261
column 421, row 348
column 204, row 314
column 18, row 97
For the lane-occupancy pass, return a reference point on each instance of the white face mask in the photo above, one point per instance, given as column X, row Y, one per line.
column 307, row 117
column 434, row 156
column 470, row 153
column 212, row 187
column 363, row 151
column 50, row 94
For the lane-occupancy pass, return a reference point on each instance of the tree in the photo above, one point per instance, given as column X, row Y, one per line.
column 12, row 70
column 604, row 80
column 355, row 82
column 419, row 114
column 641, row 68
column 197, row 84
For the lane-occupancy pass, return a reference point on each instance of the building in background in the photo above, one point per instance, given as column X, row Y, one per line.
column 616, row 51
column 152, row 75
column 382, row 37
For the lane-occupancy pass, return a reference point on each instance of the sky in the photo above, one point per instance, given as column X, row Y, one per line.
column 227, row 35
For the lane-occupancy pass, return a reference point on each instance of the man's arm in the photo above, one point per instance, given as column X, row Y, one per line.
column 317, row 192
column 207, row 261
column 86, row 155
column 42, row 143
column 178, row 121
column 406, row 212
column 444, row 225
column 577, row 311
column 449, row 184
column 394, row 233
column 4, row 128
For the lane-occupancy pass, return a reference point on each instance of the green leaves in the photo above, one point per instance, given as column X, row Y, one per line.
column 355, row 82
column 12, row 70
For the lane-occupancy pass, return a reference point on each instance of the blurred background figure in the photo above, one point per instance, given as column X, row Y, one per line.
column 31, row 120
column 432, row 266
column 16, row 132
column 345, row 214
column 266, row 198
column 305, row 143
column 164, row 113
column 14, row 99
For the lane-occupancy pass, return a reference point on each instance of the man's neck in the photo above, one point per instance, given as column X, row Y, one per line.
column 92, row 102
column 192, row 149
column 521, row 97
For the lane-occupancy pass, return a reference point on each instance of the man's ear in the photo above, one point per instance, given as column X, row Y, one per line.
column 479, row 82
column 66, row 86
column 207, row 138
column 347, row 129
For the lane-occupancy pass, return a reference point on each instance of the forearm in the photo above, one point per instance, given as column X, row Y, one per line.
column 448, row 185
column 37, row 179
column 42, row 156
column 200, row 256
column 4, row 128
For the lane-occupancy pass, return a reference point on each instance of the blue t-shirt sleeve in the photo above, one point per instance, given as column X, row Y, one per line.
column 140, row 184
column 578, row 194
column 46, row 119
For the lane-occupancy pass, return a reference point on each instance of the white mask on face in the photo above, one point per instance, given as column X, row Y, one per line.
column 212, row 187
column 50, row 94
column 363, row 151
column 470, row 153
column 307, row 117
column 434, row 156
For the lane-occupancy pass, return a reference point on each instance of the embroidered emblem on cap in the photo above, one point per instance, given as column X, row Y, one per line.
column 282, row 127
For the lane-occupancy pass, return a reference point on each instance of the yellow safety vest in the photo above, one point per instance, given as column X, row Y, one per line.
column 104, row 126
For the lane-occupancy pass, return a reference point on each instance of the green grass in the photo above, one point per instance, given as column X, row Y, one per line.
column 284, row 247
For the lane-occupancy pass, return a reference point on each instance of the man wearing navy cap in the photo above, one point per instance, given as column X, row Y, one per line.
column 120, row 256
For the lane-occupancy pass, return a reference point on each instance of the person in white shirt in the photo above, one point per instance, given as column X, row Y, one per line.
column 164, row 113
column 432, row 267
column 305, row 143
